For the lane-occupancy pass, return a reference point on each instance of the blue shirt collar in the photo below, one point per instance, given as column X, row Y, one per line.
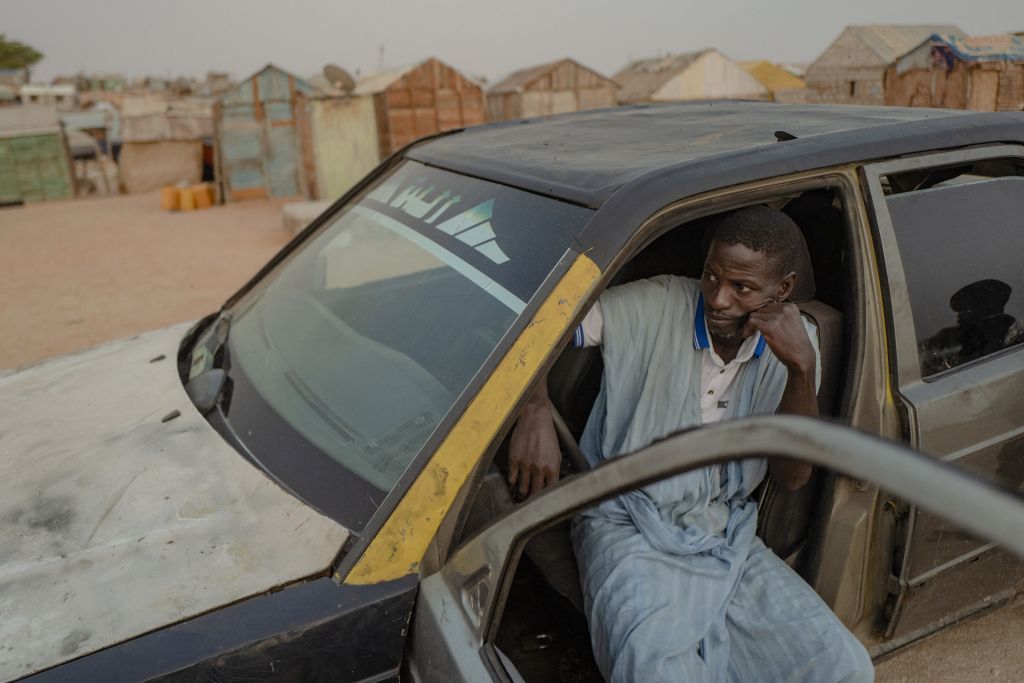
column 701, row 338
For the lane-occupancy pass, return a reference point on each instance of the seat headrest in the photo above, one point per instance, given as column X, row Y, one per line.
column 804, row 289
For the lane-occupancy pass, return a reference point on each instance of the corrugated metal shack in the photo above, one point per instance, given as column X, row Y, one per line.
column 983, row 73
column 553, row 88
column 162, row 141
column 262, row 151
column 852, row 69
column 34, row 160
column 423, row 99
column 343, row 135
column 707, row 74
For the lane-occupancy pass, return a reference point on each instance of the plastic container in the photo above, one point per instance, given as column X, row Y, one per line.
column 203, row 193
column 170, row 199
column 187, row 199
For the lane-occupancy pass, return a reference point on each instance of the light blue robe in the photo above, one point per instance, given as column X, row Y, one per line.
column 676, row 585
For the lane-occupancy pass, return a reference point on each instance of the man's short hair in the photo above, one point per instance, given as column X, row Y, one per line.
column 764, row 230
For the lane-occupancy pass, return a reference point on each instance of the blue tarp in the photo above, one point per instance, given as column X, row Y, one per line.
column 999, row 48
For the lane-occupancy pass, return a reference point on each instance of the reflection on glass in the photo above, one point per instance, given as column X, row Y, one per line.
column 983, row 327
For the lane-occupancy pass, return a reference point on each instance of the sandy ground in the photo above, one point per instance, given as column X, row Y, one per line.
column 86, row 271
column 78, row 273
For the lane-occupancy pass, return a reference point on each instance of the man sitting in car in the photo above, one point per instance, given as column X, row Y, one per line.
column 676, row 585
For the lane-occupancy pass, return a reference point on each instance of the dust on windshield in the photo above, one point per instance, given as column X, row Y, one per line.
column 366, row 338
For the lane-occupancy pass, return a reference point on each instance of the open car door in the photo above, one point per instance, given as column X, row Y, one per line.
column 459, row 608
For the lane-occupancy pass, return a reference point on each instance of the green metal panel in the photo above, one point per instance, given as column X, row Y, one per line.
column 34, row 168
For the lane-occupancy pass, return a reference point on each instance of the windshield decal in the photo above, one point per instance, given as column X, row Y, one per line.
column 514, row 238
column 471, row 226
column 470, row 272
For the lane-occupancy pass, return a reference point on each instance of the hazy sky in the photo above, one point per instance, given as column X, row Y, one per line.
column 480, row 37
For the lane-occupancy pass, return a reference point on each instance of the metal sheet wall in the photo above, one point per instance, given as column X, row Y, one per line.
column 35, row 168
column 344, row 137
column 260, row 152
column 429, row 99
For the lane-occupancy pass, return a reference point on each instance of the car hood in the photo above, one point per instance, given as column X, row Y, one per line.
column 114, row 522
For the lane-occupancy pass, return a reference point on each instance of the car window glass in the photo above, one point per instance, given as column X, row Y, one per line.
column 366, row 338
column 960, row 238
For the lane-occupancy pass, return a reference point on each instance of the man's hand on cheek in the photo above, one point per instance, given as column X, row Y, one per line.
column 783, row 331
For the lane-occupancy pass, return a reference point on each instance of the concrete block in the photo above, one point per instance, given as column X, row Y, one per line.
column 298, row 215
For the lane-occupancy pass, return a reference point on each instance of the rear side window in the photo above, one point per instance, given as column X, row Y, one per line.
column 960, row 232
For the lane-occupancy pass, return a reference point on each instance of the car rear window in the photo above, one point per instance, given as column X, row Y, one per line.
column 960, row 231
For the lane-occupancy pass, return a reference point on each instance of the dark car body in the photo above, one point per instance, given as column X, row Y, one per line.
column 632, row 186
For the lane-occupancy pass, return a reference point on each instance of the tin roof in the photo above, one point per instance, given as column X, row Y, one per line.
column 382, row 80
column 642, row 78
column 773, row 76
column 519, row 80
column 28, row 120
column 891, row 41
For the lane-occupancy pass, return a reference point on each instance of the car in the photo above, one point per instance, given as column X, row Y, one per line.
column 308, row 483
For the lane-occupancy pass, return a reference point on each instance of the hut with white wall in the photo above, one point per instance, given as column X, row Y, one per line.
column 349, row 134
column 703, row 75
column 557, row 87
column 344, row 140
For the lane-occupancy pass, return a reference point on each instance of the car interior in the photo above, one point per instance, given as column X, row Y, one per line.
column 543, row 634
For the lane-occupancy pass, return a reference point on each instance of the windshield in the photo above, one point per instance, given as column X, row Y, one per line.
column 367, row 337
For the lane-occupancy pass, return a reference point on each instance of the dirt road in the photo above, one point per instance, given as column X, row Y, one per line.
column 77, row 273
column 74, row 274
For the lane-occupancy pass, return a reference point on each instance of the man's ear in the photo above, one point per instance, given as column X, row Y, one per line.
column 786, row 287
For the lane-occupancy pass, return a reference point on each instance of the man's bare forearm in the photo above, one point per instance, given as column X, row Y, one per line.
column 534, row 456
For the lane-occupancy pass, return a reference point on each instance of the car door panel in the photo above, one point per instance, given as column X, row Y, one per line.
column 966, row 408
column 461, row 605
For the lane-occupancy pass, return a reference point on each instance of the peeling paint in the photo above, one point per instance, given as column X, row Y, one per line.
column 399, row 547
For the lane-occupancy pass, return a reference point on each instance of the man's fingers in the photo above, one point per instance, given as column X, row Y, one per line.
column 536, row 483
column 524, row 482
column 513, row 471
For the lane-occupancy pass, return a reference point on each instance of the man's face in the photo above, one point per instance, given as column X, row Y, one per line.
column 737, row 281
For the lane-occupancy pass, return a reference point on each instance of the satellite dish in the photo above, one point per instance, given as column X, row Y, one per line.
column 339, row 78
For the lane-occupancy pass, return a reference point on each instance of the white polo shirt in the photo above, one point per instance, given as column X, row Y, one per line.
column 718, row 388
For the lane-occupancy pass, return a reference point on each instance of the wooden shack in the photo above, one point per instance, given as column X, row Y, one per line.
column 34, row 160
column 852, row 69
column 703, row 75
column 983, row 73
column 423, row 99
column 261, row 150
column 553, row 88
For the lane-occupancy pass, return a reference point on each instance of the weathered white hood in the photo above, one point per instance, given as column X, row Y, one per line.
column 113, row 523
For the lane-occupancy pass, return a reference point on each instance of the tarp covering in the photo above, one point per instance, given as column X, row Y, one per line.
column 1004, row 47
